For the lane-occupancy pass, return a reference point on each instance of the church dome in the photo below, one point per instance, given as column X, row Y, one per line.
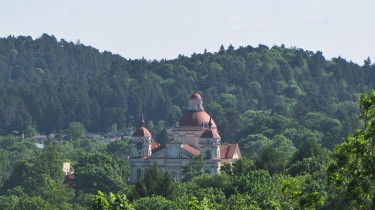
column 195, row 118
column 142, row 130
column 210, row 134
column 195, row 114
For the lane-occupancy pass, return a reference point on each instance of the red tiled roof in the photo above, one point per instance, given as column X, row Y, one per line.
column 194, row 118
column 191, row 149
column 155, row 147
column 227, row 151
column 141, row 132
column 196, row 95
column 210, row 133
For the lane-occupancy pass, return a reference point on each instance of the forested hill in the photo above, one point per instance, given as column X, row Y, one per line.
column 46, row 83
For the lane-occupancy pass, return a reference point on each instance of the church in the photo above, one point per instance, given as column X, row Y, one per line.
column 195, row 133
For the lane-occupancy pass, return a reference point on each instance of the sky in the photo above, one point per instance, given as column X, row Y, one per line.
column 163, row 29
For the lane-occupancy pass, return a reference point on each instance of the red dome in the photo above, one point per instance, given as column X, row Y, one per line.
column 141, row 132
column 195, row 118
column 195, row 95
column 210, row 133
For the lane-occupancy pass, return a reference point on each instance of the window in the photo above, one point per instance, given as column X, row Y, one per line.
column 207, row 171
column 208, row 154
column 139, row 145
column 177, row 124
column 205, row 125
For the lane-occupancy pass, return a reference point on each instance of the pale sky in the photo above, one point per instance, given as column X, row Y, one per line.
column 157, row 29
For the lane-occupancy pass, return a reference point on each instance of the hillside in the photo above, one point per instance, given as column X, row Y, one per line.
column 287, row 109
column 46, row 83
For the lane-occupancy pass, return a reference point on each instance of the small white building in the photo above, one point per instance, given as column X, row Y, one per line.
column 194, row 133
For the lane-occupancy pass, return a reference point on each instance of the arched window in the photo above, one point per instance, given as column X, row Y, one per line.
column 139, row 173
column 208, row 154
column 139, row 145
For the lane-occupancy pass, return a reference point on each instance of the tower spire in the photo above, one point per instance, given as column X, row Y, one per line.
column 142, row 122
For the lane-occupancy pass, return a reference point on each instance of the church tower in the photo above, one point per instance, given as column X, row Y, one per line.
column 210, row 143
column 193, row 122
column 141, row 141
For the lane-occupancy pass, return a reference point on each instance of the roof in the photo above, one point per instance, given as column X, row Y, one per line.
column 156, row 147
column 227, row 151
column 194, row 118
column 141, row 132
column 191, row 149
column 196, row 95
column 210, row 133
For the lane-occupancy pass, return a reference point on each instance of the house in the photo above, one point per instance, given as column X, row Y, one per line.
column 195, row 133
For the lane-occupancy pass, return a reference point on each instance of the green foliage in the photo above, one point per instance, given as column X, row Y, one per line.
column 153, row 202
column 163, row 137
column 243, row 166
column 309, row 148
column 119, row 147
column 109, row 202
column 155, row 182
column 269, row 100
column 98, row 171
column 193, row 169
column 75, row 130
column 352, row 176
column 66, row 82
column 241, row 201
column 37, row 182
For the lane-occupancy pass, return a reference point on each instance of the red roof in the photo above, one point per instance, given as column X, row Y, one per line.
column 227, row 151
column 141, row 132
column 155, row 147
column 195, row 118
column 196, row 95
column 191, row 149
column 210, row 133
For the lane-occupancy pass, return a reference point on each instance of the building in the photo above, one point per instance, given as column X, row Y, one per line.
column 194, row 133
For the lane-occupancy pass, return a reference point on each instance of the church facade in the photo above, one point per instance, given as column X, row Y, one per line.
column 195, row 133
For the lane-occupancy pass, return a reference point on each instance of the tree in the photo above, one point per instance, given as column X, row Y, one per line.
column 98, row 171
column 193, row 168
column 154, row 202
column 163, row 137
column 352, row 176
column 243, row 166
column 155, row 182
column 109, row 202
column 271, row 160
column 75, row 130
column 119, row 147
column 309, row 148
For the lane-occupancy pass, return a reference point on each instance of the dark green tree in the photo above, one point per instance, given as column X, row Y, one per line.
column 155, row 182
column 163, row 137
column 98, row 171
column 193, row 168
column 75, row 130
column 352, row 176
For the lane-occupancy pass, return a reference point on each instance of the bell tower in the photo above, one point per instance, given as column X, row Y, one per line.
column 210, row 143
column 141, row 141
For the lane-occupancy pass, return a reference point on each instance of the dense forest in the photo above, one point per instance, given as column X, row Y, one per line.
column 290, row 110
